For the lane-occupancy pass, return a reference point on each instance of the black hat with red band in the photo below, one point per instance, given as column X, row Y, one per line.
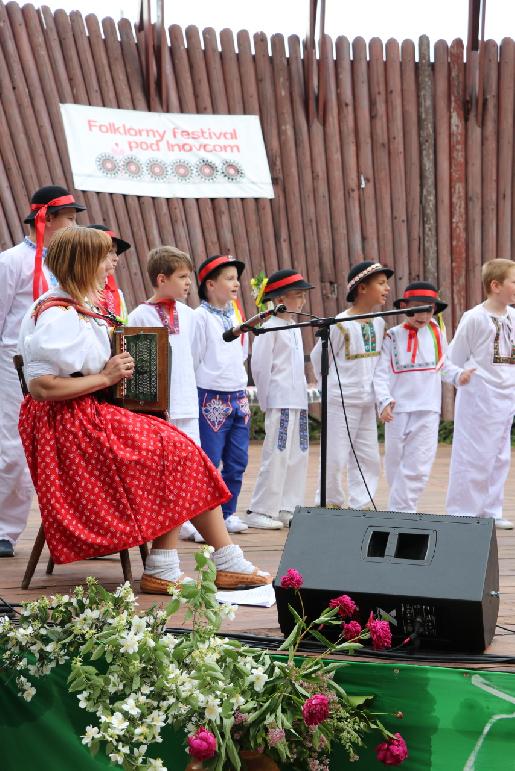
column 120, row 245
column 216, row 263
column 361, row 272
column 423, row 292
column 51, row 198
column 284, row 281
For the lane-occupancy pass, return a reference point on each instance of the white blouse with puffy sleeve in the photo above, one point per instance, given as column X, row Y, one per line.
column 62, row 342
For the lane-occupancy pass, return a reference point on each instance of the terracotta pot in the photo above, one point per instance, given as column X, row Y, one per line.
column 251, row 761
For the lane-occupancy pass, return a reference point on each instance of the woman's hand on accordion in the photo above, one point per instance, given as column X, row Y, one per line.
column 118, row 367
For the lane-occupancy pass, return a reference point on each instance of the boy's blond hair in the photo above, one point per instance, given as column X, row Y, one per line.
column 495, row 270
column 74, row 255
column 166, row 260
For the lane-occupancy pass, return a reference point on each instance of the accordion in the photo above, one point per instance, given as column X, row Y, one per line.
column 148, row 390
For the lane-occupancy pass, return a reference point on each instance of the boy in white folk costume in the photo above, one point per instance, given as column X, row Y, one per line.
column 278, row 370
column 24, row 276
column 408, row 392
column 481, row 448
column 356, row 345
column 170, row 272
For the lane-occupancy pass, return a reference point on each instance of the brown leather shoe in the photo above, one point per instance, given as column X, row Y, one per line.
column 226, row 579
column 153, row 585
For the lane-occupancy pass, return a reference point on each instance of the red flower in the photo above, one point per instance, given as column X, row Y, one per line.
column 346, row 606
column 351, row 630
column 292, row 579
column 392, row 752
column 202, row 744
column 380, row 633
column 315, row 709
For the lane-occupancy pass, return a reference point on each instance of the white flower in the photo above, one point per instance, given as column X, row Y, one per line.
column 213, row 710
column 139, row 625
column 116, row 757
column 29, row 692
column 207, row 550
column 258, row 678
column 130, row 643
column 156, row 764
column 229, row 611
column 118, row 723
column 83, row 697
column 238, row 701
column 156, row 719
column 130, row 706
column 92, row 733
column 140, row 751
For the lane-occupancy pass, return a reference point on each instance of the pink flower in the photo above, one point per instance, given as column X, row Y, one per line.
column 315, row 709
column 292, row 579
column 351, row 630
column 380, row 633
column 202, row 744
column 346, row 606
column 392, row 752
column 275, row 736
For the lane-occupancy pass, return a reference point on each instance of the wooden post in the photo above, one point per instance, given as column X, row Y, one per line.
column 427, row 160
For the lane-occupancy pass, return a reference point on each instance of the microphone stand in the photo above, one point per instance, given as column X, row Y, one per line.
column 323, row 325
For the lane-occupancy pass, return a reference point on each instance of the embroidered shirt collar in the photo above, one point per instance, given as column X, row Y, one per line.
column 32, row 245
column 225, row 314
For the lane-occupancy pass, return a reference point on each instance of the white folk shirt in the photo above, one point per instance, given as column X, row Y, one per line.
column 63, row 342
column 356, row 347
column 183, row 388
column 16, row 277
column 278, row 367
column 411, row 369
column 219, row 366
column 487, row 342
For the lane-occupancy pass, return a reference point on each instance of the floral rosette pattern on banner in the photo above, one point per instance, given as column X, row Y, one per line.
column 226, row 697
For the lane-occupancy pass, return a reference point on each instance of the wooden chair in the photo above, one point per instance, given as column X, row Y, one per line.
column 40, row 538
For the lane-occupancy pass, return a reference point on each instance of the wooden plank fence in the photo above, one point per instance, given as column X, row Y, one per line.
column 398, row 169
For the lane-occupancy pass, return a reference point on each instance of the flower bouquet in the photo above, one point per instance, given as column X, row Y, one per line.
column 231, row 701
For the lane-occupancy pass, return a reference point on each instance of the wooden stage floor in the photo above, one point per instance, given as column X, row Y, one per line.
column 264, row 548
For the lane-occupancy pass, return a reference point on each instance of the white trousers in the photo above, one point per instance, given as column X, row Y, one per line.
column 340, row 458
column 189, row 426
column 16, row 489
column 411, row 441
column 281, row 481
column 481, row 451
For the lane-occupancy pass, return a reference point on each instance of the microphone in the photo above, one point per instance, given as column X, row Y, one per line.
column 232, row 334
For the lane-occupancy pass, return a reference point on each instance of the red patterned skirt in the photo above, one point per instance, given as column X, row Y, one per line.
column 108, row 479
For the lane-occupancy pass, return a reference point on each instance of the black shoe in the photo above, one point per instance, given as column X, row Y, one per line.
column 6, row 548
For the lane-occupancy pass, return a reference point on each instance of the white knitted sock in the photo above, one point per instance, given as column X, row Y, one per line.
column 163, row 563
column 230, row 558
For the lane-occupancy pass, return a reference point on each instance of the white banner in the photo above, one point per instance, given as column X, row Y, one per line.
column 166, row 155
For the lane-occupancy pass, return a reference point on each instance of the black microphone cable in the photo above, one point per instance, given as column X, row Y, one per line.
column 347, row 426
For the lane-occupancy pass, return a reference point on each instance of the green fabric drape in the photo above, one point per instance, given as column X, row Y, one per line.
column 454, row 720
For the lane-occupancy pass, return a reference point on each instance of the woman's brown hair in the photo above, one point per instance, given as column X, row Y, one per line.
column 74, row 255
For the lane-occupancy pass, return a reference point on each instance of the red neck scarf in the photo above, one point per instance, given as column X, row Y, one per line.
column 39, row 283
column 167, row 312
column 412, row 341
column 111, row 300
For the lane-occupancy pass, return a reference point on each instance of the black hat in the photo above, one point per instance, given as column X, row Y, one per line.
column 362, row 271
column 282, row 281
column 49, row 193
column 211, row 264
column 421, row 291
column 120, row 244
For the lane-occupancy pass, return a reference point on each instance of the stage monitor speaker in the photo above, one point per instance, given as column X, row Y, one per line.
column 437, row 575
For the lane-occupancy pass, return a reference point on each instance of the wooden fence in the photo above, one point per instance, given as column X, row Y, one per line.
column 398, row 170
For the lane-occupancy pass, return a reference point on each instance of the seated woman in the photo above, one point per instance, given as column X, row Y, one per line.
column 106, row 478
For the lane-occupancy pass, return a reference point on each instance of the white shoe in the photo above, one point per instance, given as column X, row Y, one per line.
column 503, row 524
column 285, row 517
column 235, row 525
column 263, row 521
column 198, row 537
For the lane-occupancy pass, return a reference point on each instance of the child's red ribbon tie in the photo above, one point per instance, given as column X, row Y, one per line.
column 412, row 342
